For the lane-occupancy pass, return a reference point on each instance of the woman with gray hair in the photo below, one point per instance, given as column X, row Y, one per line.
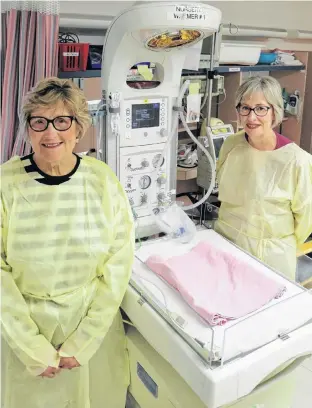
column 265, row 181
column 67, row 252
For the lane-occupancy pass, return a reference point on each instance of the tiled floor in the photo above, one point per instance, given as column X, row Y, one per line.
column 303, row 396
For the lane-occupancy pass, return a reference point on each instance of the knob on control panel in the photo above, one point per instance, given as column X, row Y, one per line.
column 145, row 163
column 161, row 197
column 161, row 179
column 143, row 199
column 163, row 132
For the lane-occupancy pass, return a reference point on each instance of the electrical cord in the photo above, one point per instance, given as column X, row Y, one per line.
column 231, row 26
column 68, row 38
column 219, row 103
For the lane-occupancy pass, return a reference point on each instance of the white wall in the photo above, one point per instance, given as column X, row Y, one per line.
column 279, row 14
column 97, row 7
column 271, row 14
column 290, row 15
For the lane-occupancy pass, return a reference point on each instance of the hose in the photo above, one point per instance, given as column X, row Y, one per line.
column 175, row 122
column 211, row 162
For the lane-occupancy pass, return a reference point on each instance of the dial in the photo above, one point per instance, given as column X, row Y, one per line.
column 145, row 182
column 156, row 160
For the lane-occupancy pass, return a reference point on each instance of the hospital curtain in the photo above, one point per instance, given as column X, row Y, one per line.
column 29, row 52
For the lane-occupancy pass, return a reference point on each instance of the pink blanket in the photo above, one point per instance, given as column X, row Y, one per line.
column 215, row 284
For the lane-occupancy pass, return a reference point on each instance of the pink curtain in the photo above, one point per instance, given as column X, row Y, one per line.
column 29, row 52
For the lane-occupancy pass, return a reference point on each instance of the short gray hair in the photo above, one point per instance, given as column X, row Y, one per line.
column 49, row 92
column 271, row 90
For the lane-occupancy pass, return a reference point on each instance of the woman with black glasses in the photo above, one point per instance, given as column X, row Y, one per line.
column 67, row 252
column 265, row 181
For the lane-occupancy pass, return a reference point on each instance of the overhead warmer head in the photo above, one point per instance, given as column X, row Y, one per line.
column 175, row 25
column 171, row 39
column 164, row 26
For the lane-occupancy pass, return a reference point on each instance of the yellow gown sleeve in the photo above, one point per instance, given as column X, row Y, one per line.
column 113, row 276
column 18, row 329
column 228, row 145
column 302, row 202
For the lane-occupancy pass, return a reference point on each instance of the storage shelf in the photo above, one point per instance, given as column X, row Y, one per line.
column 192, row 126
column 261, row 67
column 243, row 68
column 95, row 73
column 91, row 73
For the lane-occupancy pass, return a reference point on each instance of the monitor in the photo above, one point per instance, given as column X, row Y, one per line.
column 145, row 115
column 217, row 143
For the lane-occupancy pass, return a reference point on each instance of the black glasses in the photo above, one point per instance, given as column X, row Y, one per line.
column 60, row 123
column 245, row 110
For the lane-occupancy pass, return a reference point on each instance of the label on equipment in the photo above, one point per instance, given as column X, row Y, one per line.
column 234, row 69
column 71, row 54
column 187, row 12
column 147, row 380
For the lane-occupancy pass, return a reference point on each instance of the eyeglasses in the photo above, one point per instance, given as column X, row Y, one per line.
column 245, row 110
column 60, row 123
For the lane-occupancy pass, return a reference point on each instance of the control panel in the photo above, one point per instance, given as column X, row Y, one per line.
column 147, row 189
column 144, row 121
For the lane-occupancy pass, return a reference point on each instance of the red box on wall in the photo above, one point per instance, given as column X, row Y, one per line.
column 73, row 56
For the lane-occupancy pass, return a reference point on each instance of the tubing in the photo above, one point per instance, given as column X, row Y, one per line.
column 175, row 122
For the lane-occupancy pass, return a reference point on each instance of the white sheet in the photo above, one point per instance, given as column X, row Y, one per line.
column 237, row 336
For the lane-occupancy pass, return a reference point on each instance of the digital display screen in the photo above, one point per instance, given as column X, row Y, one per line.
column 218, row 142
column 145, row 115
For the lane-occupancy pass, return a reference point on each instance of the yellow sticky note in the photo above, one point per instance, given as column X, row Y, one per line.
column 145, row 72
column 194, row 88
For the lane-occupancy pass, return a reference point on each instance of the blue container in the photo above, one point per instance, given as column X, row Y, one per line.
column 267, row 58
column 95, row 56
